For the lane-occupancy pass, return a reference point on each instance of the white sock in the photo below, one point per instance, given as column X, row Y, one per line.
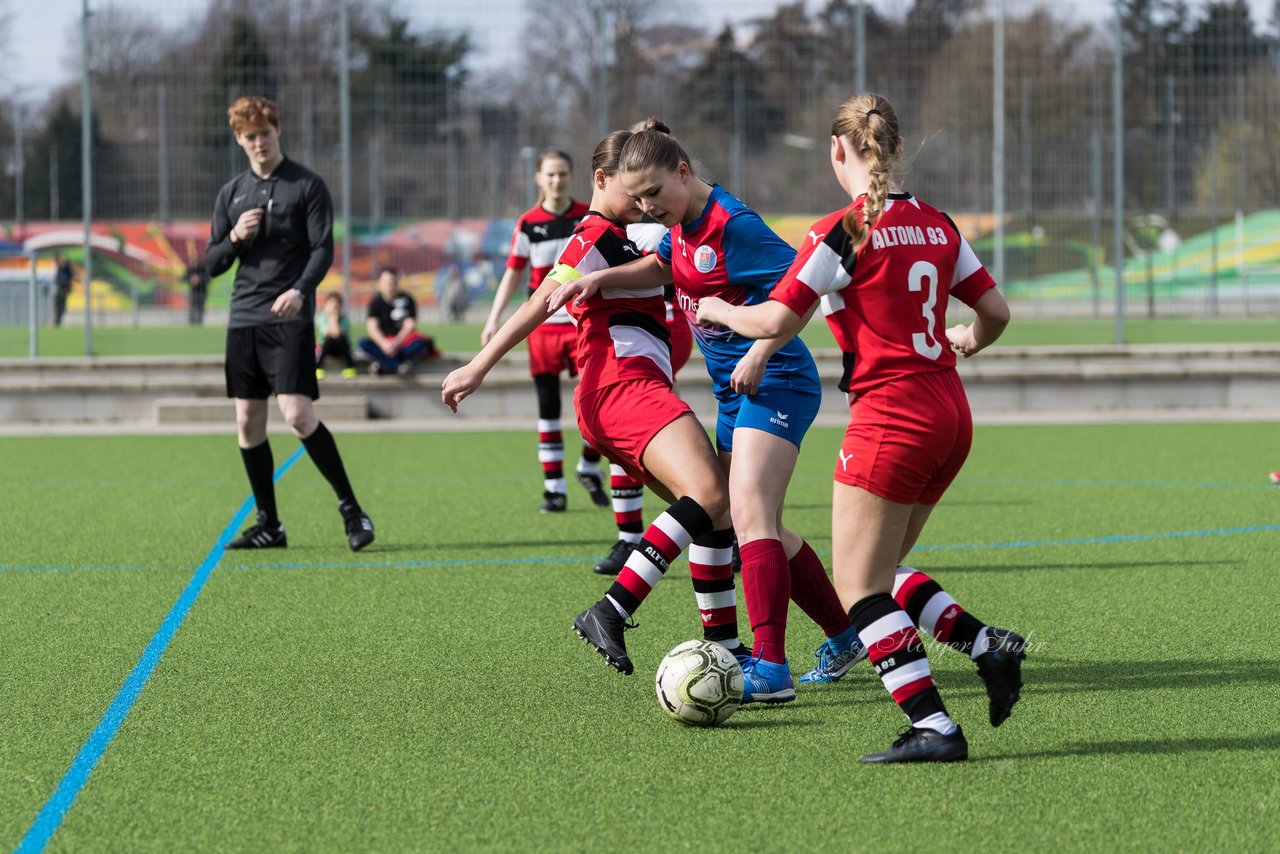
column 938, row 722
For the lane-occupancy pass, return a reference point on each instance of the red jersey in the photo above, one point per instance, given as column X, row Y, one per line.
column 887, row 304
column 537, row 240
column 621, row 332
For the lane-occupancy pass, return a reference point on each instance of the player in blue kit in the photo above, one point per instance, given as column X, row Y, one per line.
column 767, row 393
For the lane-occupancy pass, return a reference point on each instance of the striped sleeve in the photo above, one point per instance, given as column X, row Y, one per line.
column 818, row 269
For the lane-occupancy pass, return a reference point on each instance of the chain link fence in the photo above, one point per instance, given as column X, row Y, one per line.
column 1008, row 109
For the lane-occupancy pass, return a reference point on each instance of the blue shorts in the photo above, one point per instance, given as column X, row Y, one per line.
column 783, row 412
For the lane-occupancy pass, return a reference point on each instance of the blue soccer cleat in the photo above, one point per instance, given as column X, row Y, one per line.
column 836, row 656
column 766, row 682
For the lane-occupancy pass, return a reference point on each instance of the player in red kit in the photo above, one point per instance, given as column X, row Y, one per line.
column 883, row 269
column 539, row 235
column 767, row 395
column 627, row 493
column 627, row 409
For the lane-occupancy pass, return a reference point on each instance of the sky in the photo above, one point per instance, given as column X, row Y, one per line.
column 44, row 33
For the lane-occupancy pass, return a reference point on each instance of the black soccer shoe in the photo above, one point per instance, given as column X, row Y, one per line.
column 261, row 536
column 594, row 484
column 358, row 524
column 917, row 744
column 612, row 563
column 1001, row 670
column 602, row 627
column 554, row 502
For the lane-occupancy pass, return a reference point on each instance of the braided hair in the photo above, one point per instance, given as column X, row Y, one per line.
column 869, row 126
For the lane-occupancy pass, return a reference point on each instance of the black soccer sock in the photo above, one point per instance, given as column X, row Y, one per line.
column 934, row 610
column 898, row 658
column 664, row 540
column 323, row 451
column 261, row 467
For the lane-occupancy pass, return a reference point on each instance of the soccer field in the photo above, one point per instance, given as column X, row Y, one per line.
column 456, row 339
column 428, row 693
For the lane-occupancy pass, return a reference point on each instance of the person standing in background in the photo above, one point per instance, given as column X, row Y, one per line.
column 276, row 219
column 63, row 276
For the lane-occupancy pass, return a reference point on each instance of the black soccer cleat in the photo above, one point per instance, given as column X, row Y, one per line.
column 261, row 536
column 358, row 524
column 594, row 484
column 916, row 744
column 602, row 627
column 554, row 502
column 616, row 559
column 1001, row 670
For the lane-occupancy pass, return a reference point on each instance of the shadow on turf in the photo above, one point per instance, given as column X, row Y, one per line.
column 1067, row 678
column 1101, row 564
column 1145, row 747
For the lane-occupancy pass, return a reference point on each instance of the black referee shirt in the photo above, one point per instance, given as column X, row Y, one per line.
column 292, row 249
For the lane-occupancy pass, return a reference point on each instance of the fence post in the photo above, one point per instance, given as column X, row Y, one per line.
column 86, row 174
column 1117, row 163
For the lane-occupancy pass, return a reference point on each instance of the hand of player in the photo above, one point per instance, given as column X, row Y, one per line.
column 712, row 311
column 747, row 374
column 578, row 290
column 458, row 385
column 288, row 304
column 960, row 337
column 247, row 225
column 490, row 330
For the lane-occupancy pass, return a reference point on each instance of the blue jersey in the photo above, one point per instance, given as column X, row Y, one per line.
column 729, row 252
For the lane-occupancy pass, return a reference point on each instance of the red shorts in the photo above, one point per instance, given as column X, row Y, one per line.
column 553, row 347
column 681, row 341
column 908, row 438
column 620, row 420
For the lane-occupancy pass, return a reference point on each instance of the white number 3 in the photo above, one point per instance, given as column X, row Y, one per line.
column 926, row 343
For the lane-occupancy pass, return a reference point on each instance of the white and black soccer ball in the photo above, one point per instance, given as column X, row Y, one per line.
column 699, row 683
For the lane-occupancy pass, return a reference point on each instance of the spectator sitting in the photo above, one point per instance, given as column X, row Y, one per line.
column 333, row 336
column 394, row 342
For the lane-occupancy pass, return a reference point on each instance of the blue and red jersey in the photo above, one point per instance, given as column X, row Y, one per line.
column 729, row 252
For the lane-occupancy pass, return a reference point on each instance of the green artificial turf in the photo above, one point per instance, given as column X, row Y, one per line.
column 428, row 694
column 456, row 339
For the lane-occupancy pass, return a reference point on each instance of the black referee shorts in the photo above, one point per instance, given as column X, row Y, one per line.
column 272, row 357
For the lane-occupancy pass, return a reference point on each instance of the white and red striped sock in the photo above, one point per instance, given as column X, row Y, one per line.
column 711, row 568
column 628, row 503
column 551, row 455
column 663, row 541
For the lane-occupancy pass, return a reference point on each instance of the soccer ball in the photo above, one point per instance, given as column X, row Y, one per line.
column 699, row 683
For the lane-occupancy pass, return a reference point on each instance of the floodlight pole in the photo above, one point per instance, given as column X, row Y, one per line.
column 86, row 175
column 344, row 104
column 997, row 145
column 1117, row 115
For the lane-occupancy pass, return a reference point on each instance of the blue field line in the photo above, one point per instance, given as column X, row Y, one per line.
column 55, row 809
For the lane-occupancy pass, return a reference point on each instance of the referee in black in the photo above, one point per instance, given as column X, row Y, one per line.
column 276, row 219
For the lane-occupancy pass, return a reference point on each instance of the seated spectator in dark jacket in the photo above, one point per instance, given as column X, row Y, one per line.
column 395, row 341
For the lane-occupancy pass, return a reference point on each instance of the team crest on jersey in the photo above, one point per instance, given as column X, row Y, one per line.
column 704, row 259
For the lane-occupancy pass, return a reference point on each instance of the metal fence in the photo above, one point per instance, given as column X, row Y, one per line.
column 1060, row 136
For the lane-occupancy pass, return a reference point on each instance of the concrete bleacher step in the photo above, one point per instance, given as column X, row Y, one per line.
column 204, row 410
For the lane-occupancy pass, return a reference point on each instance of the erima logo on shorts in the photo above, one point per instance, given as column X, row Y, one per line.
column 704, row 259
column 844, row 460
column 780, row 420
